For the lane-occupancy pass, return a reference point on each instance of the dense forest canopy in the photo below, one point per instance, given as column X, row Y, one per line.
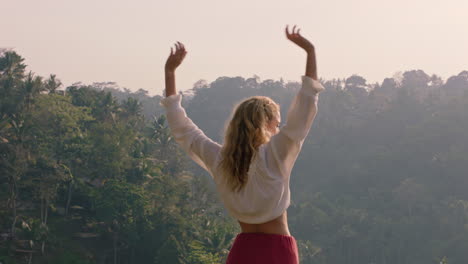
column 90, row 173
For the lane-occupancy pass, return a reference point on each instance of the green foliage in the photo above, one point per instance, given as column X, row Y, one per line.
column 7, row 260
column 309, row 253
column 121, row 205
column 92, row 175
column 68, row 257
column 199, row 255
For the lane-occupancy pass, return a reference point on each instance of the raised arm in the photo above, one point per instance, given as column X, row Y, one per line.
column 174, row 60
column 284, row 147
column 311, row 64
column 191, row 138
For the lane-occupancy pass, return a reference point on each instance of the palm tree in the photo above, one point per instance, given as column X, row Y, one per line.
column 11, row 77
column 52, row 84
column 31, row 87
column 132, row 110
column 12, row 66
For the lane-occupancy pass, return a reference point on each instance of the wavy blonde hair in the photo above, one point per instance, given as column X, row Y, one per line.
column 246, row 131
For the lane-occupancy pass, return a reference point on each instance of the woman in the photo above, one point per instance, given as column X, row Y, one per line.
column 252, row 168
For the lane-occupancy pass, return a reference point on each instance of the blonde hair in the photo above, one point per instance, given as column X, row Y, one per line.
column 246, row 131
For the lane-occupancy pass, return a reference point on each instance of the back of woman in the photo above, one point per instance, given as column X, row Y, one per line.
column 252, row 168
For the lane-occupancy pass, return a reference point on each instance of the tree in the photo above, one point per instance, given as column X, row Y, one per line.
column 52, row 84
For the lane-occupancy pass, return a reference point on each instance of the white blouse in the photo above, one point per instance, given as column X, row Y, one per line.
column 266, row 194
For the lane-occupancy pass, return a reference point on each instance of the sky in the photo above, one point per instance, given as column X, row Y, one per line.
column 127, row 42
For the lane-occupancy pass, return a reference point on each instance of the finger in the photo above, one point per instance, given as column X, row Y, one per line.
column 172, row 52
column 287, row 30
column 180, row 52
column 294, row 28
column 299, row 30
column 181, row 48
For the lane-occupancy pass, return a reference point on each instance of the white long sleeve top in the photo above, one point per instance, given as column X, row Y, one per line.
column 266, row 195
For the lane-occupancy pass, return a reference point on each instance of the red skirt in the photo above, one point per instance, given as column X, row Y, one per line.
column 262, row 248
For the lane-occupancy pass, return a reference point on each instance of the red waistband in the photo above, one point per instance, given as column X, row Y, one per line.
column 266, row 235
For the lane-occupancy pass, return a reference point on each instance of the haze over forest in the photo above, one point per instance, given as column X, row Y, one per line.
column 90, row 173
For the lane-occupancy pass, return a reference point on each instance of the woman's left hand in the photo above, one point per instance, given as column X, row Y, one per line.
column 175, row 58
column 299, row 40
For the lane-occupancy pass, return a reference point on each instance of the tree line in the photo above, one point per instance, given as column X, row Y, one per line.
column 90, row 173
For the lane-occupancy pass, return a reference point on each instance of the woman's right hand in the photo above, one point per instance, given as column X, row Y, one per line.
column 299, row 40
column 175, row 58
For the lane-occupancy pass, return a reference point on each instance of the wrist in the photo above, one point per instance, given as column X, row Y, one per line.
column 169, row 71
column 310, row 52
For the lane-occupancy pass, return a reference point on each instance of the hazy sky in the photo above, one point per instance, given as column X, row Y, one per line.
column 128, row 41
